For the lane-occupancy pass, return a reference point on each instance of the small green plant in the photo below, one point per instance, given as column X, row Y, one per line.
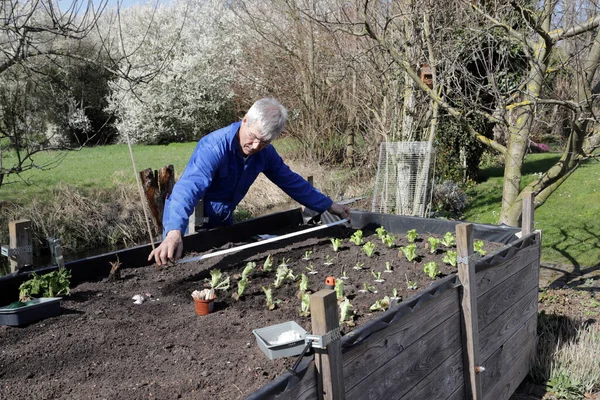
column 303, row 284
column 311, row 269
column 339, row 289
column 395, row 295
column 431, row 269
column 55, row 283
column 358, row 266
column 283, row 273
column 268, row 264
column 284, row 262
column 450, row 258
column 328, row 260
column 344, row 275
column 381, row 305
column 377, row 276
column 307, row 255
column 389, row 240
column 410, row 252
column 346, row 313
column 369, row 249
column 357, row 237
column 388, row 267
column 248, row 269
column 242, row 283
column 433, row 243
column 368, row 288
column 410, row 285
column 271, row 303
column 381, row 232
column 412, row 235
column 218, row 281
column 305, row 305
column 449, row 240
column 336, row 243
column 478, row 247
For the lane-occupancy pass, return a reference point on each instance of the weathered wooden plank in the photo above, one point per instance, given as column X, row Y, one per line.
column 330, row 369
column 20, row 238
column 488, row 278
column 404, row 371
column 506, row 369
column 497, row 300
column 362, row 360
column 497, row 333
column 442, row 382
column 459, row 394
column 527, row 213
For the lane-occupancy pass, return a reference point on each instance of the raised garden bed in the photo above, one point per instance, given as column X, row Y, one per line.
column 106, row 345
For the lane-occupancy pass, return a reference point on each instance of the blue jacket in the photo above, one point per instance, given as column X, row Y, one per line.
column 218, row 172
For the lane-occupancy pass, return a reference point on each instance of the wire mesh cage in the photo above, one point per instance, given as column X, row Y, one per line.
column 404, row 178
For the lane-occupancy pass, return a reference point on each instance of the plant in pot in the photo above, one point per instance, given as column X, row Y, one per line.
column 204, row 300
column 38, row 298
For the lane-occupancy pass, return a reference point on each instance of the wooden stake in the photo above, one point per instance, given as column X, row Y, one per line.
column 330, row 370
column 466, row 274
column 20, row 238
column 527, row 213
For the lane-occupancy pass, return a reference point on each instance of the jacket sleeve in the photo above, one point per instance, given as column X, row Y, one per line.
column 192, row 185
column 294, row 185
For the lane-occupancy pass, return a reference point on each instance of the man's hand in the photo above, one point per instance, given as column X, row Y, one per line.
column 341, row 210
column 169, row 250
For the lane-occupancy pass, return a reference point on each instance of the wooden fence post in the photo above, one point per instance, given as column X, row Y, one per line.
column 20, row 238
column 197, row 217
column 309, row 179
column 466, row 274
column 330, row 371
column 527, row 213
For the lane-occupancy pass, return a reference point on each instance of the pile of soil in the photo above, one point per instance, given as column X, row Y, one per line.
column 104, row 346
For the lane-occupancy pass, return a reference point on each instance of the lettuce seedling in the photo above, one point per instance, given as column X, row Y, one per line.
column 284, row 262
column 283, row 273
column 307, row 255
column 381, row 232
column 242, row 283
column 389, row 240
column 305, row 305
column 268, row 264
column 410, row 285
column 344, row 275
column 377, row 276
column 271, row 303
column 369, row 249
column 358, row 266
column 368, row 288
column 336, row 243
column 433, row 243
column 449, row 240
column 303, row 283
column 216, row 282
column 328, row 260
column 346, row 313
column 339, row 289
column 388, row 267
column 381, row 305
column 431, row 269
column 410, row 251
column 357, row 237
column 395, row 295
column 412, row 235
column 311, row 269
column 478, row 247
column 450, row 258
column 248, row 269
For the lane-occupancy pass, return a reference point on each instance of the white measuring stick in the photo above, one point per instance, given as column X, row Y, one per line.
column 260, row 243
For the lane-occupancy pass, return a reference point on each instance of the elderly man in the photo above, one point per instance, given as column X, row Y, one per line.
column 224, row 165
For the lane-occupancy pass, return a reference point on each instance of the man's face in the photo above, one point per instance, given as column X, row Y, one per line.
column 251, row 142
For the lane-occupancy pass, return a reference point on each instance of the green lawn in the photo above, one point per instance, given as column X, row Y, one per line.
column 97, row 167
column 569, row 219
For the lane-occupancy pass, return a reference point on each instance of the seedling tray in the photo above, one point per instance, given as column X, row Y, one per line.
column 32, row 311
column 268, row 335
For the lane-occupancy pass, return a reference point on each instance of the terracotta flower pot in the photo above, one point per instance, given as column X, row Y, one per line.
column 204, row 307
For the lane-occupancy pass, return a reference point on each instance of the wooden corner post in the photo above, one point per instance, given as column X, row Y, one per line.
column 466, row 274
column 20, row 241
column 325, row 322
column 527, row 213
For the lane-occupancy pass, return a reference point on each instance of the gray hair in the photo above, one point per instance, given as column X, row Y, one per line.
column 271, row 116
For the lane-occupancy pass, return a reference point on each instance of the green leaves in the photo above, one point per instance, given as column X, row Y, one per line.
column 357, row 237
column 216, row 282
column 369, row 249
column 450, row 258
column 410, row 252
column 431, row 269
column 336, row 243
column 412, row 235
column 52, row 284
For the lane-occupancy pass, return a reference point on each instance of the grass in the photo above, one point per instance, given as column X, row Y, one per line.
column 568, row 220
column 97, row 167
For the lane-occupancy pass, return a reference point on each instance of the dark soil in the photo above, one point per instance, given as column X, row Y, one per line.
column 105, row 347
